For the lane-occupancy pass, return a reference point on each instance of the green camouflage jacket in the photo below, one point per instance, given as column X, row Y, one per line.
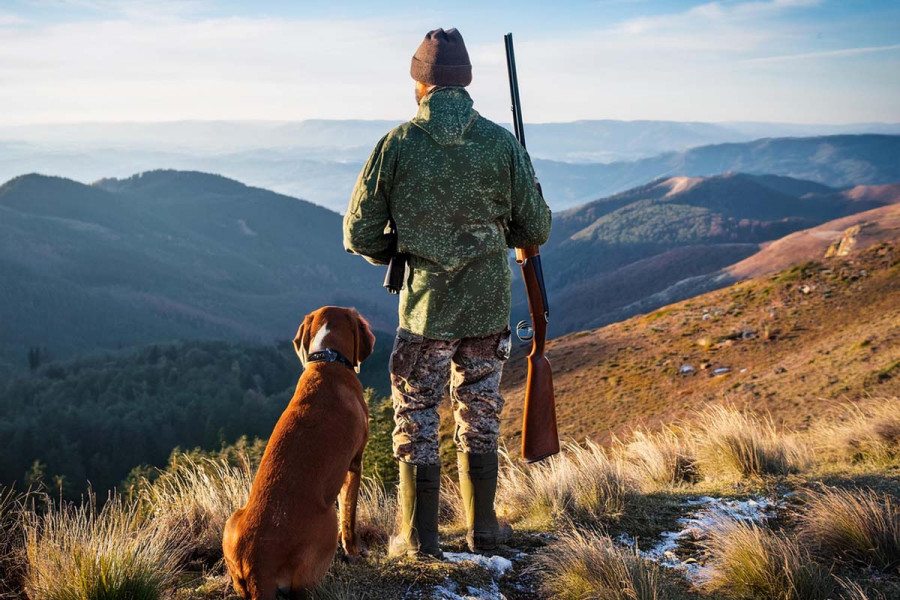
column 461, row 191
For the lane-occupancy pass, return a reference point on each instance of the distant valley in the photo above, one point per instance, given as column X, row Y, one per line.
column 577, row 162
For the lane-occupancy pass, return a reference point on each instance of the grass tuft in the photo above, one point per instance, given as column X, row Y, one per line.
column 88, row 554
column 737, row 444
column 192, row 500
column 12, row 542
column 377, row 512
column 752, row 562
column 660, row 460
column 581, row 484
column 859, row 525
column 587, row 564
column 865, row 435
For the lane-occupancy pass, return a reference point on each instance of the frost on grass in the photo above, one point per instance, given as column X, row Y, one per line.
column 696, row 527
column 451, row 591
column 496, row 565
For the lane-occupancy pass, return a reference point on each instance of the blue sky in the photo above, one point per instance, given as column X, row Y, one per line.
column 833, row 61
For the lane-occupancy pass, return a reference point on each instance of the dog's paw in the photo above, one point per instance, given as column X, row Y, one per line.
column 354, row 552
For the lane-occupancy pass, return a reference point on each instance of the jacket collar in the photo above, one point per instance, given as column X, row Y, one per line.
column 446, row 113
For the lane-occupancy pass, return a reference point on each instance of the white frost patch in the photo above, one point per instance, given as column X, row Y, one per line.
column 451, row 591
column 697, row 526
column 497, row 565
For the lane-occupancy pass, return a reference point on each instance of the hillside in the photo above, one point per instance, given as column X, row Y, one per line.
column 672, row 239
column 167, row 255
column 794, row 344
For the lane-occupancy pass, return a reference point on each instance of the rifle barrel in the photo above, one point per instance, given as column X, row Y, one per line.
column 518, row 125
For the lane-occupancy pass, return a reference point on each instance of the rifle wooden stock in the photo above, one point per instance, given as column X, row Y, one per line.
column 540, row 438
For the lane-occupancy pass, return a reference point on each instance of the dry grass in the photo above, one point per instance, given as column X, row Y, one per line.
column 733, row 444
column 79, row 552
column 193, row 500
column 749, row 561
column 12, row 559
column 377, row 511
column 452, row 514
column 581, row 484
column 869, row 434
column 660, row 460
column 853, row 591
column 587, row 564
column 859, row 525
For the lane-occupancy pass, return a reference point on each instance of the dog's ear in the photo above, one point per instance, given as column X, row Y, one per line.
column 364, row 340
column 301, row 341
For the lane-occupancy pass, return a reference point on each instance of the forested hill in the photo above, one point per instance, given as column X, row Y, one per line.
column 167, row 255
column 94, row 418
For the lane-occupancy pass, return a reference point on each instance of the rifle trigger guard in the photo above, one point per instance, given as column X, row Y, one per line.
column 524, row 331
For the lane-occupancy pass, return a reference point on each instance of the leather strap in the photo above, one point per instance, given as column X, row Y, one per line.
column 329, row 355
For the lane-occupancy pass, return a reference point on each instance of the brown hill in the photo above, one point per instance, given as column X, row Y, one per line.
column 795, row 344
column 854, row 232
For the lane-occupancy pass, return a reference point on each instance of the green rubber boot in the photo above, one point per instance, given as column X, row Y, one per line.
column 478, row 485
column 419, row 504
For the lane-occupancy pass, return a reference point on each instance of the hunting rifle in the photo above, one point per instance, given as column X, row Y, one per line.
column 540, row 438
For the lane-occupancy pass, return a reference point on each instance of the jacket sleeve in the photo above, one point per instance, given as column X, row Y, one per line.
column 529, row 223
column 368, row 214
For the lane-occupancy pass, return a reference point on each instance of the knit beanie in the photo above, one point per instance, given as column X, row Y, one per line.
column 442, row 60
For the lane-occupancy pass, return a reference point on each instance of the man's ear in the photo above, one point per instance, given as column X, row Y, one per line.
column 301, row 341
column 365, row 340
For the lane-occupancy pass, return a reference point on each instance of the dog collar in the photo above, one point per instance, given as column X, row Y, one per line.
column 329, row 355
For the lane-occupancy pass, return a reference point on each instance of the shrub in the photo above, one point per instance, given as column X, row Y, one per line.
column 660, row 460
column 737, row 444
column 89, row 554
column 587, row 564
column 862, row 526
column 193, row 498
column 750, row 561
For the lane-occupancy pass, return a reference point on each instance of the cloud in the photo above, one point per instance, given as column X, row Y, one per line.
column 689, row 65
column 136, row 9
column 823, row 54
column 210, row 68
column 10, row 19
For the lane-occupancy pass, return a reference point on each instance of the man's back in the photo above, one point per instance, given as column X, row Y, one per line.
column 460, row 191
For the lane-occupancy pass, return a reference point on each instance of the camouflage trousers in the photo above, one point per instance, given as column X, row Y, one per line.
column 420, row 371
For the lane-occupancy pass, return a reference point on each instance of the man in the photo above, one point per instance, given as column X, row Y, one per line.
column 460, row 191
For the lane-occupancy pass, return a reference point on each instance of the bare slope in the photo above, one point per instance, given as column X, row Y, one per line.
column 794, row 344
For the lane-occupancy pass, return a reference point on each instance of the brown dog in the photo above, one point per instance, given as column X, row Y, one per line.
column 283, row 541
